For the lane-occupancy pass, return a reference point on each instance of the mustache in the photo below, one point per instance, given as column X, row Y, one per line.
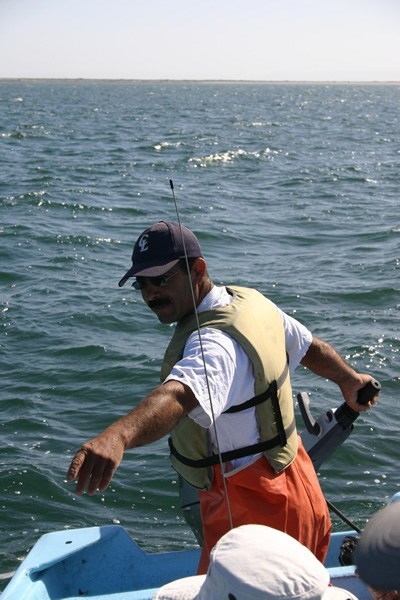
column 159, row 303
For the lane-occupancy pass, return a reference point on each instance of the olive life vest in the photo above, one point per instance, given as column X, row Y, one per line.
column 256, row 325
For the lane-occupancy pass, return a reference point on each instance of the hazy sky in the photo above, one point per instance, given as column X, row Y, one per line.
column 355, row 40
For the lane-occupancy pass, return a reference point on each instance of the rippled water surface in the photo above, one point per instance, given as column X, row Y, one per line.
column 293, row 189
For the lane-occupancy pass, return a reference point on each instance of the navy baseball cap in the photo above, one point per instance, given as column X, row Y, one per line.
column 159, row 248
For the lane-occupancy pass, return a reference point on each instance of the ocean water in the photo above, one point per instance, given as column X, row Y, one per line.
column 293, row 189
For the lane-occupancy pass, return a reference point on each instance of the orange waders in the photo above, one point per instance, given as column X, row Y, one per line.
column 291, row 501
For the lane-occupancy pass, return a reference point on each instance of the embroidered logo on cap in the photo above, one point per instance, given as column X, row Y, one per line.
column 144, row 243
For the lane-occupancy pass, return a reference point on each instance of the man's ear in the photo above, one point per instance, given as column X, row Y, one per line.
column 199, row 269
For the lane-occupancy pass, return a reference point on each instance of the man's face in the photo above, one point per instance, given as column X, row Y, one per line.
column 172, row 301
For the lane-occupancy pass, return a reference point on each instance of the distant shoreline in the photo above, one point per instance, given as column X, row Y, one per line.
column 191, row 81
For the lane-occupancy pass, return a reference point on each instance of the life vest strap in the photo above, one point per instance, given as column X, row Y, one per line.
column 231, row 454
column 271, row 391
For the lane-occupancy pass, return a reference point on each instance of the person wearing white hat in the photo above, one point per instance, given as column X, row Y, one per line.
column 377, row 554
column 256, row 562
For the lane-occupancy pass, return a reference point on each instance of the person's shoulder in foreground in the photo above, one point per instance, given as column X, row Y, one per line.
column 377, row 556
column 256, row 562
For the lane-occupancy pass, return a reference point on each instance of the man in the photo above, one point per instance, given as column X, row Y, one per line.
column 225, row 397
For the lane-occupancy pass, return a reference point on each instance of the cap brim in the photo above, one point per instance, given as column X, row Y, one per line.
column 150, row 271
column 336, row 593
column 181, row 589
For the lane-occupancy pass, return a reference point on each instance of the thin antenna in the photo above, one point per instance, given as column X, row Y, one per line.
column 171, row 183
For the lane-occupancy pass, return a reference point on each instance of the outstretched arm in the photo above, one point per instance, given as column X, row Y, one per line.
column 322, row 359
column 95, row 463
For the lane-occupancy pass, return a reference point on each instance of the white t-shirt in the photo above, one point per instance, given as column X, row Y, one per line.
column 227, row 377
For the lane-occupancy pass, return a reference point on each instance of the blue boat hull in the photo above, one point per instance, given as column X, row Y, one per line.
column 105, row 563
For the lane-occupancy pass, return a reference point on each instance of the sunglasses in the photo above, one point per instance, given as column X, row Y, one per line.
column 142, row 282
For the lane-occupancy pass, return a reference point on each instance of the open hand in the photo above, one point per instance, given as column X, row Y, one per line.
column 95, row 463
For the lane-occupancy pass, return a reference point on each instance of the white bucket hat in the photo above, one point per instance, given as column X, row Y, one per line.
column 255, row 562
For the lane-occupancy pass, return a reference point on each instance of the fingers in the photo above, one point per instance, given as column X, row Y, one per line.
column 91, row 471
column 80, row 469
column 76, row 464
column 361, row 393
column 368, row 394
column 365, row 406
column 95, row 475
column 89, row 475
